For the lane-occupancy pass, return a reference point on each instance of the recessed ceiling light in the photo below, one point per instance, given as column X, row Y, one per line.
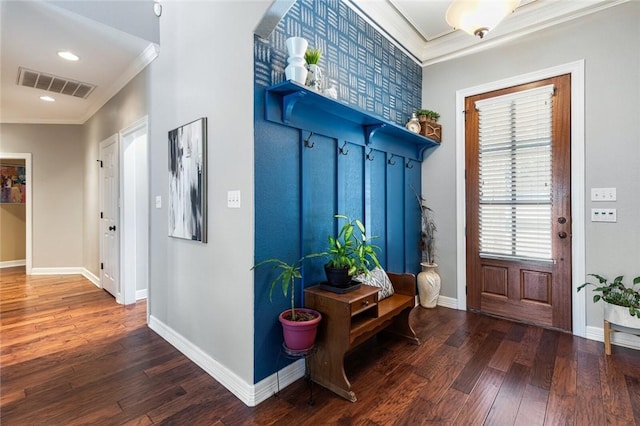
column 65, row 54
column 47, row 98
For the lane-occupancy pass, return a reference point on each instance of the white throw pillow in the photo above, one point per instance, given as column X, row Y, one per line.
column 377, row 277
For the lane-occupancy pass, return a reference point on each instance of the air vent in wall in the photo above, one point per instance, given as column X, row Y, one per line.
column 51, row 83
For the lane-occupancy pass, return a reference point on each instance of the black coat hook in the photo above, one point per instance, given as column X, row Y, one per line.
column 369, row 156
column 391, row 163
column 409, row 165
column 342, row 149
column 307, row 142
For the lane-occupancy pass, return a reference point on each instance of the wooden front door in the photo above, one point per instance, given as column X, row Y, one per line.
column 518, row 169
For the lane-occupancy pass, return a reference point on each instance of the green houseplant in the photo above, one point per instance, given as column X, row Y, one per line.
column 427, row 114
column 299, row 325
column 616, row 293
column 312, row 56
column 349, row 253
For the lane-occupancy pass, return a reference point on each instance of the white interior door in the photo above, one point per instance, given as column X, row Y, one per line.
column 109, row 223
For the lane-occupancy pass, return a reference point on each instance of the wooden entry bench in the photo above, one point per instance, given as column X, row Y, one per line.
column 351, row 318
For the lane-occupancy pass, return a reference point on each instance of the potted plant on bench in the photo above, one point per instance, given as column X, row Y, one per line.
column 299, row 325
column 349, row 253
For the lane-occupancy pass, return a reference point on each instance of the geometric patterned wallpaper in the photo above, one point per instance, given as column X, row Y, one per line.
column 367, row 70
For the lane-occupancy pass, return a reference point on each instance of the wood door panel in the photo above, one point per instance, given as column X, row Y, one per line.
column 536, row 291
column 535, row 286
column 495, row 280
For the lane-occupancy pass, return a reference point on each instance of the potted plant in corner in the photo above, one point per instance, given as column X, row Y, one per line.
column 429, row 282
column 299, row 325
column 429, row 126
column 622, row 304
column 349, row 254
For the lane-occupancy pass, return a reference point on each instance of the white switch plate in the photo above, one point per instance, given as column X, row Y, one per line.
column 604, row 215
column 603, row 194
column 233, row 199
column 158, row 202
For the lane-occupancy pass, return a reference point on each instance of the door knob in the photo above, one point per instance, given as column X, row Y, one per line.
column 112, row 228
column 562, row 220
column 562, row 234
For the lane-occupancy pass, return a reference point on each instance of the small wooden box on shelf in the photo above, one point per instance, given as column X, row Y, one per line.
column 431, row 130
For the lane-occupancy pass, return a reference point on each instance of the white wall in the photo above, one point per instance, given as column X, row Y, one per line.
column 202, row 294
column 608, row 42
column 57, row 189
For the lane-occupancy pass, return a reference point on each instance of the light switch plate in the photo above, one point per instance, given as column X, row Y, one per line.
column 158, row 202
column 603, row 194
column 233, row 199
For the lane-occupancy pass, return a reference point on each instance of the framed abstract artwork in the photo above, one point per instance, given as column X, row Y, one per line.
column 188, row 181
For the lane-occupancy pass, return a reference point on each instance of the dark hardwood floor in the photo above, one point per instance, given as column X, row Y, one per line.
column 70, row 355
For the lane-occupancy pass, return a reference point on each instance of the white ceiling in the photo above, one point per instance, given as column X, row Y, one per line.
column 32, row 32
column 421, row 28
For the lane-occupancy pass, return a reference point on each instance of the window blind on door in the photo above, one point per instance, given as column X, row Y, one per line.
column 515, row 174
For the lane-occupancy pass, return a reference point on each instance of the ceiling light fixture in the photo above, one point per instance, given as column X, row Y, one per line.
column 477, row 17
column 65, row 54
column 47, row 98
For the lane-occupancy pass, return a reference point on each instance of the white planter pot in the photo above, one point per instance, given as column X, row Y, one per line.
column 428, row 285
column 296, row 70
column 620, row 315
column 314, row 77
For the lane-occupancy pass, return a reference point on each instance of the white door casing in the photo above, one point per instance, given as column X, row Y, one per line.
column 134, row 230
column 29, row 203
column 576, row 69
column 109, row 216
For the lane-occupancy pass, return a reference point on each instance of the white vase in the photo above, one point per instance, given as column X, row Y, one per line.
column 428, row 285
column 314, row 77
column 296, row 70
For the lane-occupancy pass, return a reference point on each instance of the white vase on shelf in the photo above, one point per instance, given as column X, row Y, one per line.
column 428, row 285
column 296, row 70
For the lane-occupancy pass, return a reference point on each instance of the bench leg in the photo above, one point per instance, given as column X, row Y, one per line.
column 401, row 327
column 327, row 370
column 607, row 337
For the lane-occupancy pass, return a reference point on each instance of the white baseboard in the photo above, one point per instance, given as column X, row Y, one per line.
column 12, row 263
column 620, row 339
column 58, row 271
column 448, row 302
column 141, row 294
column 268, row 386
column 91, row 277
column 249, row 394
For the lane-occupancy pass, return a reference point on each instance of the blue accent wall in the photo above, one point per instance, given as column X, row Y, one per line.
column 298, row 188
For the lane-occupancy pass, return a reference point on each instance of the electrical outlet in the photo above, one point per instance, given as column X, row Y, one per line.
column 158, row 202
column 603, row 194
column 604, row 215
column 233, row 199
